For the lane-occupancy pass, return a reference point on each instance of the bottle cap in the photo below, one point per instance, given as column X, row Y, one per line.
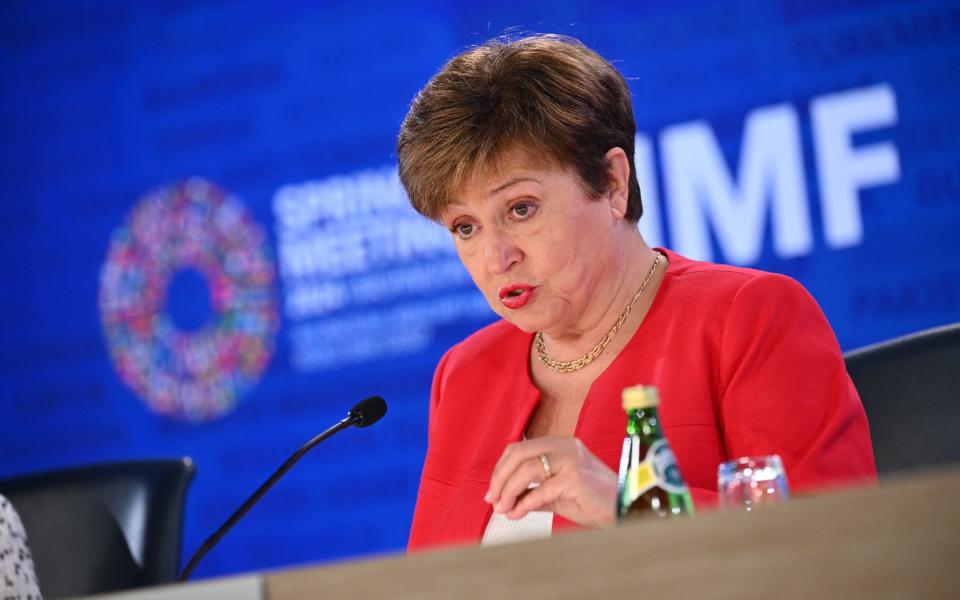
column 640, row 396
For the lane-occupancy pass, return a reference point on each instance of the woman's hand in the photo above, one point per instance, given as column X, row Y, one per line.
column 580, row 486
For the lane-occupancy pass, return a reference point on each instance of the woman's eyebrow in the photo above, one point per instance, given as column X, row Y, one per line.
column 513, row 181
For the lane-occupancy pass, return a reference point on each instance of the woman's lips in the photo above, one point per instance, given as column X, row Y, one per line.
column 516, row 295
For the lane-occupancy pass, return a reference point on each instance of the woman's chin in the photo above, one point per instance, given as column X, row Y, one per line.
column 522, row 322
column 530, row 317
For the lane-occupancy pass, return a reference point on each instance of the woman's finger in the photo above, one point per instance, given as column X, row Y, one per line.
column 518, row 483
column 539, row 498
column 518, row 452
column 501, row 472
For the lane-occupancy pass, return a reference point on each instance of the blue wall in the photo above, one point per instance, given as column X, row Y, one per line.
column 817, row 138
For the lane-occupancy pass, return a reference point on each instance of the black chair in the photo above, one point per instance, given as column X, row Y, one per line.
column 105, row 527
column 910, row 387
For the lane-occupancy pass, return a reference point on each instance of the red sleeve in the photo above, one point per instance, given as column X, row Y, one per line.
column 424, row 512
column 785, row 389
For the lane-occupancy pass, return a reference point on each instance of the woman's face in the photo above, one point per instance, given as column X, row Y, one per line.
column 537, row 246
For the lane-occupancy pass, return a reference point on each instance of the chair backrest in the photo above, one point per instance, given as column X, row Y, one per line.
column 910, row 387
column 105, row 527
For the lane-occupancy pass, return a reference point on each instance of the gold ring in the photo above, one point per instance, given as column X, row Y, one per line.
column 546, row 465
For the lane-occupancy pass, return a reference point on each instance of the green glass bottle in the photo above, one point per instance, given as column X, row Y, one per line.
column 650, row 482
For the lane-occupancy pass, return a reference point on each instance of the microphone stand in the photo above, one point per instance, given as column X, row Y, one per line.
column 350, row 420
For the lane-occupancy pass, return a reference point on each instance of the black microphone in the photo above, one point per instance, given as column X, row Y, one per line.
column 364, row 414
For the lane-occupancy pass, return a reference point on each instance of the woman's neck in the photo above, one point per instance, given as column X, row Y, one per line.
column 609, row 299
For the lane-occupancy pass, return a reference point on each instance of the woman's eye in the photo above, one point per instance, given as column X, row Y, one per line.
column 464, row 230
column 522, row 210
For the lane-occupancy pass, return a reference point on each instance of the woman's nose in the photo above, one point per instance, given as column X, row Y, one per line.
column 500, row 253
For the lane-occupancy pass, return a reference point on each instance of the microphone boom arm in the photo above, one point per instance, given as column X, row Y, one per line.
column 351, row 419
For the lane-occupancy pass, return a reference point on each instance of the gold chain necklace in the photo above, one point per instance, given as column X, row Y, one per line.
column 568, row 366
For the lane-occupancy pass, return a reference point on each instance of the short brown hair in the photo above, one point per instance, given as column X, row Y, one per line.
column 546, row 95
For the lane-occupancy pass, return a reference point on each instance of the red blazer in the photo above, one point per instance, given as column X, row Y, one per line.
column 745, row 362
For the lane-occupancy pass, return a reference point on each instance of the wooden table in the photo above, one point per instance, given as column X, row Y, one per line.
column 898, row 540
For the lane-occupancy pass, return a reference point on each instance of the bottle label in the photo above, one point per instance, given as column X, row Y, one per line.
column 642, row 479
column 659, row 468
column 665, row 467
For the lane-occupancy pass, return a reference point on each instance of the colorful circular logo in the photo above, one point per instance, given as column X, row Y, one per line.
column 195, row 374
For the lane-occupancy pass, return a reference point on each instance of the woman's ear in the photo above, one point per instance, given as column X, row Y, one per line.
column 618, row 177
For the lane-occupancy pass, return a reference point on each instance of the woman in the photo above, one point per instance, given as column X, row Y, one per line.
column 524, row 151
column 17, row 578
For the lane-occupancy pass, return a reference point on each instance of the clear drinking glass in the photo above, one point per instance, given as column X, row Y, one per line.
column 749, row 481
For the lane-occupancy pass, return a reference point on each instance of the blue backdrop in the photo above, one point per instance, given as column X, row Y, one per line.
column 204, row 249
